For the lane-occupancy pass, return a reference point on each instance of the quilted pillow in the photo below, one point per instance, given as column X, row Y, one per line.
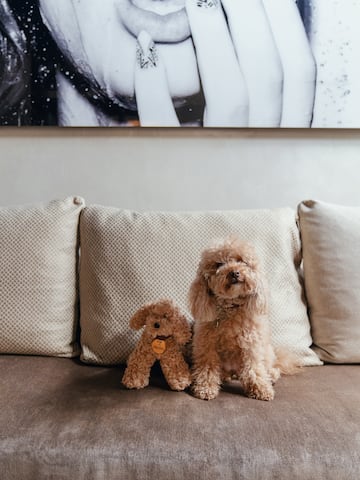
column 38, row 272
column 331, row 250
column 130, row 258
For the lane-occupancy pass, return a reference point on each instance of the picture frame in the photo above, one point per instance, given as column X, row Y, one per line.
column 180, row 63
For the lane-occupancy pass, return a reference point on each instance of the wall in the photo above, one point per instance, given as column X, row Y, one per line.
column 180, row 169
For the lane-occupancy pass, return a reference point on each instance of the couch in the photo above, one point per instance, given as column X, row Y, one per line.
column 71, row 277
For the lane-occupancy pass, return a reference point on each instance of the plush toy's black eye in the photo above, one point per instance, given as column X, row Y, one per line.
column 156, row 325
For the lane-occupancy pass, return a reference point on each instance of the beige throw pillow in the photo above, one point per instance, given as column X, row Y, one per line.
column 130, row 258
column 331, row 250
column 38, row 288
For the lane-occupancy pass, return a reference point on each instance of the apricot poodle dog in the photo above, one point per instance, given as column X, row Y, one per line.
column 166, row 331
column 231, row 336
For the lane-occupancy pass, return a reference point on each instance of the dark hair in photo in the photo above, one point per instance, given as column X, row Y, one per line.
column 28, row 64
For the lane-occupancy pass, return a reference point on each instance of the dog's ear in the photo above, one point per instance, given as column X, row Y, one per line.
column 182, row 330
column 138, row 320
column 201, row 301
column 259, row 302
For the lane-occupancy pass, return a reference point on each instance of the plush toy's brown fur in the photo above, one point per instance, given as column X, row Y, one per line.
column 166, row 331
column 231, row 337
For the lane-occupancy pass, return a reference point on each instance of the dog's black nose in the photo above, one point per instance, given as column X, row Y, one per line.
column 234, row 276
column 156, row 325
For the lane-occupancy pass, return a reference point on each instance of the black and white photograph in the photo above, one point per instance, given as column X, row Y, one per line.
column 172, row 63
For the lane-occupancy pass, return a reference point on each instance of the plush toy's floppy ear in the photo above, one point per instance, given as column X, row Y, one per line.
column 201, row 301
column 182, row 330
column 139, row 318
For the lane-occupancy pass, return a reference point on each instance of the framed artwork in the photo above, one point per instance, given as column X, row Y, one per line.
column 173, row 63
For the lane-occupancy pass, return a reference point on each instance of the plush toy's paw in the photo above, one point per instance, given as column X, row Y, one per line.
column 135, row 384
column 130, row 381
column 179, row 384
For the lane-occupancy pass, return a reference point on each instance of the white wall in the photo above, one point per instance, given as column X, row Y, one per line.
column 180, row 169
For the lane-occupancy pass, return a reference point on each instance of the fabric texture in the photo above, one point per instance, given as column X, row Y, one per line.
column 130, row 258
column 331, row 250
column 74, row 421
column 38, row 272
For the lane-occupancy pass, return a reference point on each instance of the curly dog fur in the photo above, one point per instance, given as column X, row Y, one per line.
column 166, row 330
column 232, row 337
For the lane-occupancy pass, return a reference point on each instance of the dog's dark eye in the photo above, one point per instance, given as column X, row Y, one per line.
column 218, row 265
column 241, row 260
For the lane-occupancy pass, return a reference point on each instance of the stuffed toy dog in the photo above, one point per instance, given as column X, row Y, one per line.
column 166, row 331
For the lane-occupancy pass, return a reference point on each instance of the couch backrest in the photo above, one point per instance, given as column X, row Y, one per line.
column 131, row 258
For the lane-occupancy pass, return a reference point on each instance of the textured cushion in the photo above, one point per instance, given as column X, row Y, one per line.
column 38, row 291
column 131, row 258
column 331, row 250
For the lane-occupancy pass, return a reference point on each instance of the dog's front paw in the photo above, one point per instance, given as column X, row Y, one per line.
column 261, row 392
column 274, row 374
column 205, row 392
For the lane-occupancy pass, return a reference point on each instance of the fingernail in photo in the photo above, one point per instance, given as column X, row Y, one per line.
column 207, row 3
column 146, row 52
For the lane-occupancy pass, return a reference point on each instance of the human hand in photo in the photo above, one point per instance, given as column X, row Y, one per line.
column 265, row 40
column 254, row 62
column 153, row 98
column 248, row 62
column 226, row 100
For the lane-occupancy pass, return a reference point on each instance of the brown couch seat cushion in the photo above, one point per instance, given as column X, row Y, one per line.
column 60, row 419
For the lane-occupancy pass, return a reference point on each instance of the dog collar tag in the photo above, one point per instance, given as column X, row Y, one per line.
column 158, row 346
